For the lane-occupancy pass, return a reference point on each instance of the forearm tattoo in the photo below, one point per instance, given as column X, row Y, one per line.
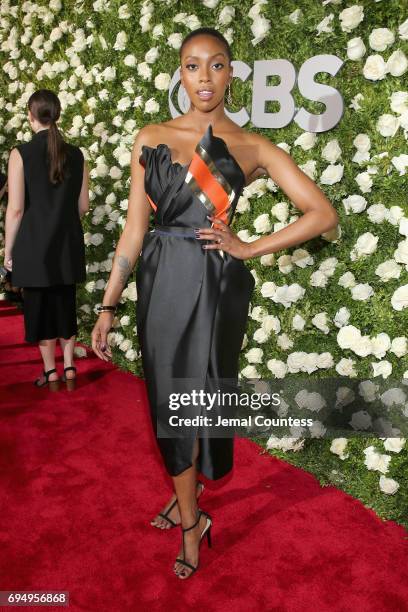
column 124, row 268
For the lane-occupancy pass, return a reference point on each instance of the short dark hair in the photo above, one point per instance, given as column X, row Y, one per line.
column 209, row 32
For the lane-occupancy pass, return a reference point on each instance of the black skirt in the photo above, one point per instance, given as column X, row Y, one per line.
column 50, row 312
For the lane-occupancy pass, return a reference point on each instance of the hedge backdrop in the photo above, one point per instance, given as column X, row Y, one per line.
column 335, row 305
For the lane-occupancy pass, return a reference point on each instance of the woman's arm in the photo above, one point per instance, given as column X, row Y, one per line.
column 128, row 248
column 319, row 214
column 83, row 200
column 15, row 207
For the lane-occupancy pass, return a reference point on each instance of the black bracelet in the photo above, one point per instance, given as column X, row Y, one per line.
column 106, row 309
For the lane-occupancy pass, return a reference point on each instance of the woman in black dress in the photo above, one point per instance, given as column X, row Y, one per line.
column 48, row 194
column 193, row 288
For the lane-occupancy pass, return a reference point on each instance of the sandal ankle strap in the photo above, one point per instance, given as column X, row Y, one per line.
column 195, row 524
column 70, row 368
column 46, row 374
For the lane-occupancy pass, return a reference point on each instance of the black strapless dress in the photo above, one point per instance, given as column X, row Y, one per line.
column 192, row 303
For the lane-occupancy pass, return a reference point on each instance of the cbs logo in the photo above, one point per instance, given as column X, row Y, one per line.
column 303, row 81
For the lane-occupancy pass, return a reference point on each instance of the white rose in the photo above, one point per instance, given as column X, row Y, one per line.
column 250, row 372
column 347, row 280
column 277, row 367
column 162, row 81
column 401, row 252
column 257, row 313
column 130, row 354
column 400, row 162
column 320, row 321
column 364, row 181
column 397, row 63
column 355, row 49
column 381, row 343
column 381, row 368
column 363, row 347
column 125, row 345
column 399, row 346
column 298, row 322
column 388, row 485
column 96, row 239
column 254, row 355
column 318, row 279
column 375, row 460
column 380, row 39
column 284, row 342
column 226, row 15
column 360, row 420
column 288, row 294
column 259, row 28
column 268, row 289
column 331, row 151
column 332, row 174
column 325, row 361
column 351, row 17
column 399, row 102
column 362, row 292
column 387, row 125
column 345, row 367
column 175, row 40
column 296, row 361
column 306, row 140
column 377, row 213
column 388, row 270
column 260, row 335
column 341, row 317
column 366, row 244
column 285, row 264
column 395, row 445
column 399, row 299
column 348, row 336
column 267, row 260
column 301, row 258
column 271, row 323
column 362, row 143
column 281, row 211
column 375, row 68
column 338, row 446
column 262, row 224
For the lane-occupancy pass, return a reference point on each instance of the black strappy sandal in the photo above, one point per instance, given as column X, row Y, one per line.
column 53, row 385
column 165, row 516
column 70, row 382
column 206, row 530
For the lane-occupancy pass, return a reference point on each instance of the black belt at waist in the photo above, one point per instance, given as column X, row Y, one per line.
column 178, row 231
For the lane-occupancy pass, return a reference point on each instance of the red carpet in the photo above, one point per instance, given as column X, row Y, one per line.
column 81, row 478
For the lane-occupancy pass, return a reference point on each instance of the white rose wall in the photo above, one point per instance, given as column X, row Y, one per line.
column 335, row 305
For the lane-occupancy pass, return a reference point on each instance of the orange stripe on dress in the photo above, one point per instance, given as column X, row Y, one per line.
column 152, row 204
column 211, row 187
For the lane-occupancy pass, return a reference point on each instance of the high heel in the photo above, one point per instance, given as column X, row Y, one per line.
column 165, row 516
column 206, row 531
column 70, row 382
column 53, row 385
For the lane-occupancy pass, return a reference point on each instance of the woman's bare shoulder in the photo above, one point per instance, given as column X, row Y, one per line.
column 149, row 135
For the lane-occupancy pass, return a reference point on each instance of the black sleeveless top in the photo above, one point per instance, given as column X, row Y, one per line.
column 49, row 247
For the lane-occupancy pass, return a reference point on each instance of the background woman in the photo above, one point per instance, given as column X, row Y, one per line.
column 48, row 193
column 193, row 287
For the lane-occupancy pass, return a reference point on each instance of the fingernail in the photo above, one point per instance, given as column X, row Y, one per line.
column 204, row 246
column 103, row 347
